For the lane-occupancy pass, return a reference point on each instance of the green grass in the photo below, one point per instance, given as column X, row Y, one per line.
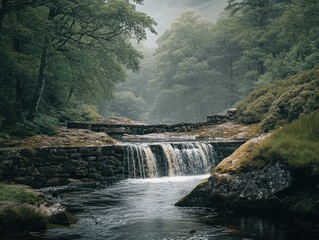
column 22, row 215
column 17, row 194
column 296, row 144
column 22, row 218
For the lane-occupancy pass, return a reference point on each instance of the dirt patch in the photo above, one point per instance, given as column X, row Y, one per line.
column 64, row 137
column 226, row 131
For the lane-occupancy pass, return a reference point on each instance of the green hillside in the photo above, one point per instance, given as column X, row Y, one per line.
column 282, row 101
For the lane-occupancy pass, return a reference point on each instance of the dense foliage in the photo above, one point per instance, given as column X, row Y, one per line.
column 54, row 53
column 58, row 55
column 282, row 101
column 202, row 68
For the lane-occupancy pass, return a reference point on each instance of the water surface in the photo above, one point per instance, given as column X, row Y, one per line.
column 140, row 209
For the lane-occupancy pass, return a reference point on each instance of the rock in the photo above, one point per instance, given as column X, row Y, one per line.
column 57, row 214
column 231, row 112
column 243, row 190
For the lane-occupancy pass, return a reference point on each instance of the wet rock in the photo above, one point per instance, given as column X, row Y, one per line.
column 57, row 214
column 243, row 190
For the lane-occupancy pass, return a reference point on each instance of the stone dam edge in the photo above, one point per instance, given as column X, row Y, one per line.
column 54, row 166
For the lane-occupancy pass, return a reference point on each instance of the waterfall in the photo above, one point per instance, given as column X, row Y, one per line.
column 141, row 162
column 168, row 159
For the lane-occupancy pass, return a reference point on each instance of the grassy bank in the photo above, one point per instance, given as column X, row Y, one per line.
column 17, row 194
column 296, row 144
column 18, row 212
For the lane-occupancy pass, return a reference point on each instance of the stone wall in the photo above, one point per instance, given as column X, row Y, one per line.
column 118, row 130
column 43, row 167
column 121, row 129
column 230, row 116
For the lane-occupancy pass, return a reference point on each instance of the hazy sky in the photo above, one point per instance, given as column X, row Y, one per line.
column 165, row 11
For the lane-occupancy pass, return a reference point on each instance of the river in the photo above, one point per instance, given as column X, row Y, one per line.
column 142, row 207
column 138, row 209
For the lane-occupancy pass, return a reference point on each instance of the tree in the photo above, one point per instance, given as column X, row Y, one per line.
column 185, row 76
column 91, row 24
column 75, row 50
column 127, row 105
column 298, row 35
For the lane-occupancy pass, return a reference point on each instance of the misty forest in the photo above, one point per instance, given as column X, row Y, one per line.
column 112, row 111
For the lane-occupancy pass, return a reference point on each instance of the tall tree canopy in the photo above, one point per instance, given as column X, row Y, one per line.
column 202, row 68
column 52, row 51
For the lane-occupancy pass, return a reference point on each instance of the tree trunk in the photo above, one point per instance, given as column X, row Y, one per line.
column 3, row 10
column 231, row 85
column 41, row 81
column 17, row 47
column 18, row 100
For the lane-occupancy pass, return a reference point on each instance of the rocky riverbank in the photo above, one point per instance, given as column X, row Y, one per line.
column 23, row 209
column 267, row 174
column 230, row 186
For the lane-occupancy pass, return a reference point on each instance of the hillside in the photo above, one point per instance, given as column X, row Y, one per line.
column 279, row 170
column 282, row 101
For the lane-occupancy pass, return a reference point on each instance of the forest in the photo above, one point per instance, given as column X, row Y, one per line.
column 201, row 68
column 58, row 56
column 112, row 133
column 66, row 60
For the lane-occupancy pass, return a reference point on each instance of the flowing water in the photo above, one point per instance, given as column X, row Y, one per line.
column 169, row 159
column 142, row 207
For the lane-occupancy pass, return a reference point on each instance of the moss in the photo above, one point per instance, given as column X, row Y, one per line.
column 22, row 218
column 16, row 194
column 243, row 159
column 283, row 101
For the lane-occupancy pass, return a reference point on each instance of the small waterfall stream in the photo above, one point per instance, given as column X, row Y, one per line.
column 168, row 159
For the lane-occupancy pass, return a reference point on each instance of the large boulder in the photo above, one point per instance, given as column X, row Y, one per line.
column 243, row 190
column 241, row 182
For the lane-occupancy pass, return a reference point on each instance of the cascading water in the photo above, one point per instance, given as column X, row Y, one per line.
column 169, row 159
column 141, row 162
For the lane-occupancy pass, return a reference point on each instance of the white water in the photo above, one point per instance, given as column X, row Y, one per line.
column 170, row 159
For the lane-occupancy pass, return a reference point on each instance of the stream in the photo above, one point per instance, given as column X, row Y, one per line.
column 142, row 207
column 138, row 209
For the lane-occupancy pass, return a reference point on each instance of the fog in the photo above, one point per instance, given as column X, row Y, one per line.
column 165, row 11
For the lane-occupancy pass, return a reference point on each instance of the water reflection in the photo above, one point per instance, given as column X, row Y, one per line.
column 144, row 210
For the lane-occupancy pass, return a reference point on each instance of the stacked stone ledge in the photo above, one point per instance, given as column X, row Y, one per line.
column 230, row 116
column 118, row 130
column 42, row 167
column 54, row 166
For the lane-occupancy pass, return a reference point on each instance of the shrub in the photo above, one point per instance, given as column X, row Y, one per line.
column 305, row 207
column 282, row 101
column 22, row 218
column 48, row 121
